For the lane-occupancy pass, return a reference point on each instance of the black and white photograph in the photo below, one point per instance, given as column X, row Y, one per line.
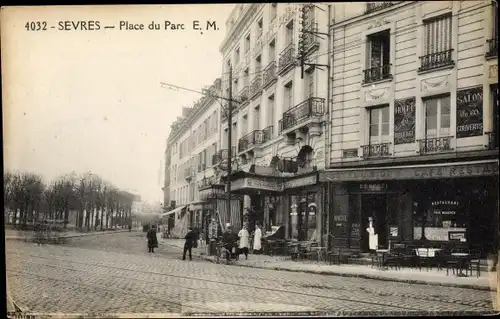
column 251, row 159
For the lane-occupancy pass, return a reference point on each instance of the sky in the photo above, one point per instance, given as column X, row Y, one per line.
column 76, row 100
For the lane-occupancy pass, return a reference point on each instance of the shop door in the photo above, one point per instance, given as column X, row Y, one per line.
column 375, row 206
column 306, row 223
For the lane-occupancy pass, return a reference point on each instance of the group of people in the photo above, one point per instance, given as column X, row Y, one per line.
column 229, row 240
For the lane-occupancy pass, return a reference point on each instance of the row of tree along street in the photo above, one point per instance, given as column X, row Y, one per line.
column 92, row 202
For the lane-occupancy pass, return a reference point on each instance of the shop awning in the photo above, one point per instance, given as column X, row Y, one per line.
column 196, row 205
column 173, row 211
column 425, row 171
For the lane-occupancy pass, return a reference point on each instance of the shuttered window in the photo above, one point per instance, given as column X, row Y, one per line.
column 438, row 34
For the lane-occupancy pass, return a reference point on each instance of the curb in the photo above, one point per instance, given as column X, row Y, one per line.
column 28, row 239
column 363, row 276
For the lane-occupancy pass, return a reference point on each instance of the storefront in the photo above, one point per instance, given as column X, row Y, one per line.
column 418, row 203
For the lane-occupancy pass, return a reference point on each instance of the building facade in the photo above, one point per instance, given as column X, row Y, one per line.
column 193, row 143
column 414, row 123
column 278, row 118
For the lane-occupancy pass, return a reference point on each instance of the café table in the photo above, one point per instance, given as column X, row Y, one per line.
column 427, row 252
column 381, row 253
column 321, row 252
column 462, row 257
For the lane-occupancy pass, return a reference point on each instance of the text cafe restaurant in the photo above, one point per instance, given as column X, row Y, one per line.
column 424, row 199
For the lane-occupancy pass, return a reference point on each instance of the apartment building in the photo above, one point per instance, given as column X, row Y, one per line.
column 414, row 123
column 193, row 142
column 277, row 122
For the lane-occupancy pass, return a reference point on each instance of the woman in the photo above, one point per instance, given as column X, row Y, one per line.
column 244, row 241
column 152, row 240
column 256, row 239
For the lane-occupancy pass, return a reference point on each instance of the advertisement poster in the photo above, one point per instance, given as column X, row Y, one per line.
column 404, row 121
column 470, row 112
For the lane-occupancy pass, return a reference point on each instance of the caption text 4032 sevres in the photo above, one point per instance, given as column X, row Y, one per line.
column 124, row 25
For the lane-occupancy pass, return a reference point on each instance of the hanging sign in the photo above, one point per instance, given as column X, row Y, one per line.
column 470, row 112
column 404, row 121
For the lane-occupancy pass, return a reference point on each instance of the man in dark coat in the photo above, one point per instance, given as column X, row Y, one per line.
column 190, row 238
column 229, row 239
column 152, row 240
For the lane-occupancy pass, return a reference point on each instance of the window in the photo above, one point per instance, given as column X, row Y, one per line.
column 245, row 77
column 272, row 50
column 273, row 11
column 247, row 43
column 234, row 135
column 237, row 56
column 204, row 160
column 379, row 124
column 260, row 27
column 256, row 118
column 270, row 111
column 310, row 88
column 289, row 33
column 288, row 96
column 437, row 46
column 493, row 41
column 437, row 117
column 494, row 102
column 258, row 65
column 379, row 57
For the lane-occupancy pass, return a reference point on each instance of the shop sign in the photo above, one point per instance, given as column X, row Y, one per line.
column 394, row 231
column 373, row 187
column 340, row 218
column 263, row 184
column 470, row 112
column 456, row 170
column 350, row 153
column 300, row 182
column 404, row 121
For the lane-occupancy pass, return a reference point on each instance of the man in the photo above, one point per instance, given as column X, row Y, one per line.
column 190, row 242
column 152, row 240
column 229, row 239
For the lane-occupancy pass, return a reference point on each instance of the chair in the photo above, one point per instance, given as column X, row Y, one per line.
column 475, row 262
column 393, row 259
column 424, row 259
column 309, row 253
column 334, row 255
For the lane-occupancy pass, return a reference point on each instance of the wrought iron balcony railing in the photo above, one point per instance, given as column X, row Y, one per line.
column 376, row 150
column 375, row 6
column 269, row 74
column 287, row 59
column 492, row 47
column 311, row 41
column 243, row 95
column 256, row 85
column 377, row 73
column 435, row 145
column 492, row 140
column 189, row 172
column 250, row 140
column 267, row 134
column 436, row 60
column 312, row 107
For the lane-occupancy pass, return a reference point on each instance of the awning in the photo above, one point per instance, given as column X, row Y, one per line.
column 196, row 205
column 173, row 211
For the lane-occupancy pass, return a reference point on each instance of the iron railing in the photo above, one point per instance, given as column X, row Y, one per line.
column 243, row 95
column 267, row 134
column 188, row 172
column 256, row 85
column 207, row 182
column 250, row 140
column 376, row 150
column 436, row 60
column 435, row 144
column 311, row 41
column 312, row 107
column 377, row 73
column 375, row 6
column 287, row 58
column 492, row 47
column 269, row 74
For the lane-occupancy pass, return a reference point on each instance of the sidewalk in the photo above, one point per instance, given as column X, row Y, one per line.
column 11, row 234
column 487, row 280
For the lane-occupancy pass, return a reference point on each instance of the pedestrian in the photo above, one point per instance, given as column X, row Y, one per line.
column 257, row 246
column 189, row 243
column 244, row 241
column 152, row 239
column 228, row 240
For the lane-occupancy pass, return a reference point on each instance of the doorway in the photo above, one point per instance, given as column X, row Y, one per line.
column 375, row 206
column 302, row 225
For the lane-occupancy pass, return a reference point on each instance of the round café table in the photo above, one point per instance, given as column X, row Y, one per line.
column 462, row 257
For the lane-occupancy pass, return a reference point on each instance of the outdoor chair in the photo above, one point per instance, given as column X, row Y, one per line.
column 453, row 262
column 424, row 259
column 475, row 262
column 310, row 254
column 334, row 256
column 299, row 251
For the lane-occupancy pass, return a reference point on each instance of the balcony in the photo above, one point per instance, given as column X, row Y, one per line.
column 286, row 60
column 267, row 134
column 256, row 86
column 257, row 49
column 431, row 145
column 378, row 73
column 222, row 155
column 436, row 60
column 250, row 140
column 311, row 42
column 269, row 75
column 188, row 173
column 492, row 140
column 376, row 150
column 375, row 6
column 243, row 95
column 209, row 182
column 310, row 108
column 492, row 48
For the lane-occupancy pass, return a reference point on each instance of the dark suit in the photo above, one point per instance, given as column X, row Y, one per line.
column 188, row 245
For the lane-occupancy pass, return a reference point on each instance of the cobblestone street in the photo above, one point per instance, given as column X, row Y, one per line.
column 116, row 274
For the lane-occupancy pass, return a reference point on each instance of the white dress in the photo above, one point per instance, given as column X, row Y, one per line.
column 244, row 238
column 256, row 239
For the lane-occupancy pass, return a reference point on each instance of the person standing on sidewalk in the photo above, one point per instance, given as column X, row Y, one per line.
column 152, row 239
column 190, row 238
column 257, row 245
column 244, row 241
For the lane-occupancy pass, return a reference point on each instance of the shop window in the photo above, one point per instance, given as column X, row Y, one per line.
column 437, row 117
column 379, row 124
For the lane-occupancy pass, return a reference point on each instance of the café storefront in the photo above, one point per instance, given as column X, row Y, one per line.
column 415, row 203
column 295, row 202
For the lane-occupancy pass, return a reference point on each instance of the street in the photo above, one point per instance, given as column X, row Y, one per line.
column 115, row 274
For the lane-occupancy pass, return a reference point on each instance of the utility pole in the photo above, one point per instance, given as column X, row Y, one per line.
column 229, row 138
